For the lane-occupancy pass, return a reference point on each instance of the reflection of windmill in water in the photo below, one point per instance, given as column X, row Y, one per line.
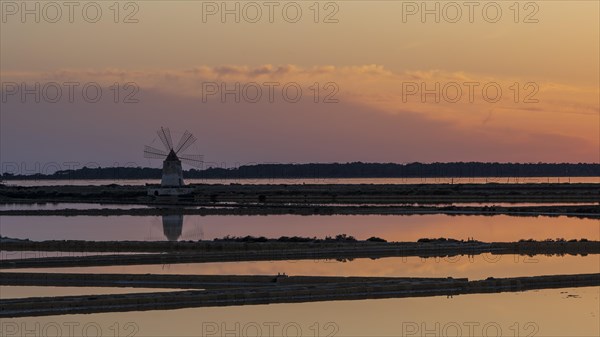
column 172, row 173
column 174, row 228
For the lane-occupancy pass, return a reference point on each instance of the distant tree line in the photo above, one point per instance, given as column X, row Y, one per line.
column 336, row 170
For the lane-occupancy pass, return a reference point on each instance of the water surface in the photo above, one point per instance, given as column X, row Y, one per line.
column 548, row 313
column 389, row 227
column 472, row 267
column 38, row 291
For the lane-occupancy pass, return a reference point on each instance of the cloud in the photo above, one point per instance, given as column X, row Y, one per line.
column 371, row 122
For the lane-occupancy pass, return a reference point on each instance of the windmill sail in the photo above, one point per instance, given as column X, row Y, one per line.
column 195, row 160
column 186, row 141
column 165, row 137
column 154, row 153
column 172, row 172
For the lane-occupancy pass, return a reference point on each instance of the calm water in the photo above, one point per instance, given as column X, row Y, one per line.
column 551, row 312
column 389, row 227
column 474, row 267
column 20, row 255
column 64, row 205
column 28, row 291
column 512, row 180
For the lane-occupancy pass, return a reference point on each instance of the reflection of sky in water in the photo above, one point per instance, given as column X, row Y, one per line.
column 18, row 255
column 30, row 291
column 64, row 205
column 476, row 267
column 549, row 312
column 390, row 227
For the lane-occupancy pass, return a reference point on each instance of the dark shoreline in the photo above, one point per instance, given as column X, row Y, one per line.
column 584, row 212
column 314, row 194
column 165, row 252
column 236, row 199
column 365, row 170
column 336, row 290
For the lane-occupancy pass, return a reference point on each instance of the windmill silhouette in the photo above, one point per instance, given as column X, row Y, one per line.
column 173, row 156
column 172, row 226
column 175, row 226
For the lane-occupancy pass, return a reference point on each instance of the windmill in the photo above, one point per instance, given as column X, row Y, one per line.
column 173, row 156
column 175, row 226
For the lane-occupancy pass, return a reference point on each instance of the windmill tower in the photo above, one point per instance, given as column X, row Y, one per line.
column 172, row 173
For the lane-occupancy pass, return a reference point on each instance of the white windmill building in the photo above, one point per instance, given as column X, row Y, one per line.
column 172, row 173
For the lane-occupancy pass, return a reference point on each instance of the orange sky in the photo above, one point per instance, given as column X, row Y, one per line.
column 370, row 66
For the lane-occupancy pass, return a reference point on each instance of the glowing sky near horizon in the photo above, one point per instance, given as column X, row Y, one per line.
column 370, row 54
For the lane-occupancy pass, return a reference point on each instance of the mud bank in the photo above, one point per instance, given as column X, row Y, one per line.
column 335, row 193
column 210, row 251
column 180, row 281
column 236, row 199
column 281, row 293
column 584, row 212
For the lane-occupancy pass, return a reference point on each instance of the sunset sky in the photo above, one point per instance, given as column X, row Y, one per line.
column 369, row 57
